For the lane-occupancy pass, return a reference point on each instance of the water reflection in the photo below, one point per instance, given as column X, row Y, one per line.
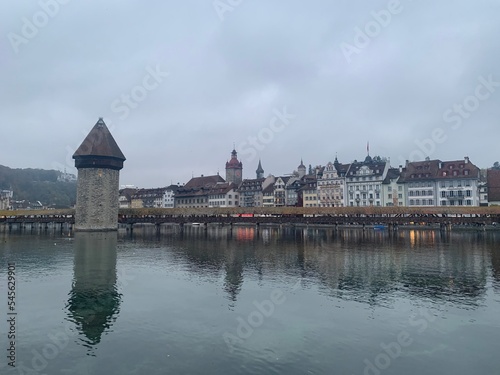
column 372, row 267
column 94, row 300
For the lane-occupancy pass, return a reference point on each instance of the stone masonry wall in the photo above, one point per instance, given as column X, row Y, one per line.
column 97, row 199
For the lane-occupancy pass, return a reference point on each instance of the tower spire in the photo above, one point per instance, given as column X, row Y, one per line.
column 260, row 171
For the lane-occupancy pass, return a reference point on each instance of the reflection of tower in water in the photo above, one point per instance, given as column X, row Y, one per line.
column 94, row 301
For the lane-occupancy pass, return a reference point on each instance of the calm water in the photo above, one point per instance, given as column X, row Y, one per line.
column 277, row 301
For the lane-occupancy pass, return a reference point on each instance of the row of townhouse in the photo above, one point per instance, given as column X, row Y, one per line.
column 371, row 182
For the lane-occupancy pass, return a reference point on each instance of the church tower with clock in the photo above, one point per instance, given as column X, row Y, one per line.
column 234, row 169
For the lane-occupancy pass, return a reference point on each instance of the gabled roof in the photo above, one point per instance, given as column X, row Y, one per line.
column 392, row 174
column 457, row 169
column 269, row 189
column 342, row 168
column 149, row 193
column 203, row 182
column 284, row 178
column 376, row 168
column 128, row 193
column 222, row 188
column 421, row 170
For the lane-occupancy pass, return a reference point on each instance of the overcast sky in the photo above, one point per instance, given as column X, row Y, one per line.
column 178, row 82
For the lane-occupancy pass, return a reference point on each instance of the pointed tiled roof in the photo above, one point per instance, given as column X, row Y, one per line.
column 259, row 168
column 99, row 142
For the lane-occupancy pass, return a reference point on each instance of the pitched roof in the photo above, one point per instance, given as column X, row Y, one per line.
column 99, row 142
column 421, row 170
column 203, row 182
column 457, row 169
column 342, row 168
column 269, row 189
column 128, row 193
column 392, row 174
column 149, row 193
column 376, row 167
column 493, row 178
column 439, row 170
column 222, row 188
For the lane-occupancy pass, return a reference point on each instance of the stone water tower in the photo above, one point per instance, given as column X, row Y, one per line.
column 98, row 160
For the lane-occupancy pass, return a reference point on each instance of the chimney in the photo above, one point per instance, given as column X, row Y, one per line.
column 440, row 165
column 400, row 169
column 466, row 159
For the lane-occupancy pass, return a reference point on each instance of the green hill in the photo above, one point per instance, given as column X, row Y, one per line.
column 47, row 186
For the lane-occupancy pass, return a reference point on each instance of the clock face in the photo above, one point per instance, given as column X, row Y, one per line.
column 238, row 173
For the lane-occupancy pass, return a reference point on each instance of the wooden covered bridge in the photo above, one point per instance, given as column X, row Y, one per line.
column 390, row 216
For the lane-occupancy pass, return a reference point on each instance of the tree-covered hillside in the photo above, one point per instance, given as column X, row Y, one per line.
column 38, row 185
